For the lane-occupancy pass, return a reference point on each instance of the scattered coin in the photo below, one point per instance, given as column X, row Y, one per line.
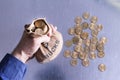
column 78, row 30
column 103, row 40
column 78, row 48
column 92, row 47
column 81, row 55
column 87, row 42
column 86, row 49
column 78, row 20
column 92, row 26
column 92, row 55
column 94, row 40
column 102, row 67
column 74, row 55
column 71, row 31
column 94, row 19
column 74, row 62
column 68, row 43
column 85, row 62
column 99, row 27
column 75, row 39
column 86, row 15
column 94, row 33
column 101, row 54
column 100, row 47
column 85, row 25
column 67, row 53
column 84, row 35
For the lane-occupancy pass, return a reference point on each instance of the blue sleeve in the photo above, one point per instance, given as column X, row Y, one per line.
column 11, row 68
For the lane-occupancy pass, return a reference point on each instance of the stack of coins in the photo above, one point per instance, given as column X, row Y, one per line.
column 85, row 41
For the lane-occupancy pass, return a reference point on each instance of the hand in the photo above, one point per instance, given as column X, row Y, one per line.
column 28, row 45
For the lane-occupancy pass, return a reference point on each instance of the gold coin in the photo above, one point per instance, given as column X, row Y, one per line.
column 86, row 15
column 68, row 43
column 102, row 67
column 94, row 19
column 87, row 42
column 81, row 55
column 80, row 42
column 94, row 40
column 84, row 35
column 85, row 25
column 78, row 20
column 71, row 31
column 92, row 26
column 101, row 54
column 99, row 27
column 75, row 39
column 92, row 47
column 74, row 55
column 100, row 47
column 85, row 62
column 77, row 48
column 86, row 49
column 103, row 40
column 67, row 53
column 74, row 62
column 94, row 33
column 92, row 55
column 78, row 30
column 38, row 31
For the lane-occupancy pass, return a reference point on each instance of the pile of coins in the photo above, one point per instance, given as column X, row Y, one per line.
column 85, row 41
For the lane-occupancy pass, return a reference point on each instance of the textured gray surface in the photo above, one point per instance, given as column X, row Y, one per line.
column 15, row 13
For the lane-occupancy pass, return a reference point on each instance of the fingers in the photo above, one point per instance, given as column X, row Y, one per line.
column 45, row 38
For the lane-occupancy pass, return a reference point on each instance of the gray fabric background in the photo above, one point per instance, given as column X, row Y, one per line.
column 15, row 13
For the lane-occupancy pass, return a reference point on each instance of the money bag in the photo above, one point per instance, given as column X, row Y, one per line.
column 48, row 51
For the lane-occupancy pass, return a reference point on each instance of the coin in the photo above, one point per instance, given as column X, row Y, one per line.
column 100, row 47
column 92, row 47
column 94, row 19
column 78, row 48
column 85, row 62
column 67, row 53
column 80, row 42
column 74, row 62
column 92, row 26
column 78, row 20
column 86, row 15
column 86, row 49
column 74, row 55
column 99, row 27
column 71, row 31
column 87, row 42
column 103, row 40
column 38, row 31
column 94, row 40
column 92, row 55
column 78, row 30
column 102, row 67
column 94, row 33
column 81, row 55
column 101, row 54
column 84, row 35
column 85, row 25
column 68, row 43
column 75, row 39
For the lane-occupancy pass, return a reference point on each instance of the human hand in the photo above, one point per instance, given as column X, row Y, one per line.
column 28, row 45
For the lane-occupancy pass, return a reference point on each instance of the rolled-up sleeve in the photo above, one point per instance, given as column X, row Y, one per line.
column 11, row 68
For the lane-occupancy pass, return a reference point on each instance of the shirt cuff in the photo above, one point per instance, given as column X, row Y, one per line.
column 11, row 68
